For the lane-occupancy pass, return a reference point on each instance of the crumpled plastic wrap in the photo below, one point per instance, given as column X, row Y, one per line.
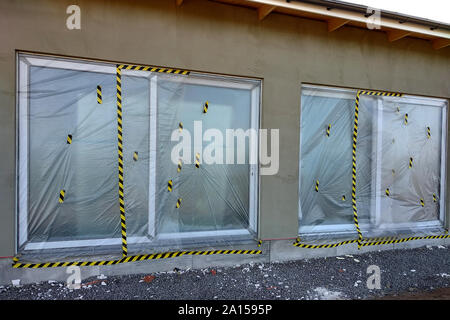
column 68, row 197
column 400, row 161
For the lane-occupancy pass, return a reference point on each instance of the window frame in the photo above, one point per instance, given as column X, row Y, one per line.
column 26, row 60
column 330, row 230
column 376, row 206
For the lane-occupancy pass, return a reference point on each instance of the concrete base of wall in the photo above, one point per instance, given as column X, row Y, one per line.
column 273, row 251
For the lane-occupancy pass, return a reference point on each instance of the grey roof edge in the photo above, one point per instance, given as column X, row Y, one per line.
column 402, row 18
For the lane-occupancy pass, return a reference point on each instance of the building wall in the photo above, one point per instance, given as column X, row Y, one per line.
column 205, row 36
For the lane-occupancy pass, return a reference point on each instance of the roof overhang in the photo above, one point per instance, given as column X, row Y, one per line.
column 337, row 14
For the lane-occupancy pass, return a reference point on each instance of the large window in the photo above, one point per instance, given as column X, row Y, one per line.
column 68, row 144
column 400, row 162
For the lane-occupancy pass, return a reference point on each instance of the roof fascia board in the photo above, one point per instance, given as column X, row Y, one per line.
column 352, row 16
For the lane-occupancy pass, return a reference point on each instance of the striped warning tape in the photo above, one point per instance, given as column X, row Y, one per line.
column 434, row 197
column 62, row 194
column 355, row 137
column 380, row 93
column 379, row 239
column 205, row 107
column 69, row 139
column 120, row 160
column 135, row 156
column 406, row 119
column 155, row 256
column 180, row 126
column 180, row 165
column 153, row 69
column 169, row 185
column 178, row 205
column 328, row 130
column 367, row 241
column 428, row 132
column 316, row 188
column 99, row 95
column 410, row 163
column 320, row 246
column 422, row 203
column 401, row 240
column 197, row 160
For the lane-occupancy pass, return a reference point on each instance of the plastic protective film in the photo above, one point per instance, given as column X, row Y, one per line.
column 400, row 159
column 91, row 144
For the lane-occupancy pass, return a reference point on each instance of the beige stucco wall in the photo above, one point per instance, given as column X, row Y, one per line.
column 205, row 36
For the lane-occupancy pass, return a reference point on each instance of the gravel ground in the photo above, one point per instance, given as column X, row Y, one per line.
column 410, row 272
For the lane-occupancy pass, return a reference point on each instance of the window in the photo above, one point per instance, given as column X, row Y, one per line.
column 400, row 166
column 68, row 143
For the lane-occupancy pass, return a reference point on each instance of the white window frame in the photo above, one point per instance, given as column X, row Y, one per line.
column 217, row 81
column 375, row 213
column 25, row 61
column 334, row 229
column 376, row 179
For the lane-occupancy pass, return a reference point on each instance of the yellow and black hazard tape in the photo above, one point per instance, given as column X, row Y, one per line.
column 180, row 165
column 428, row 132
column 380, row 93
column 169, row 186
column 197, row 160
column 321, row 246
column 316, row 188
column 327, row 132
column 406, row 119
column 135, row 258
column 367, row 241
column 135, row 156
column 69, row 139
column 62, row 194
column 410, row 163
column 153, row 69
column 99, row 95
column 422, row 203
column 205, row 107
column 401, row 240
column 120, row 160
column 355, row 137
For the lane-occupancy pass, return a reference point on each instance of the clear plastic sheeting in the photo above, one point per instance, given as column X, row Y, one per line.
column 402, row 146
column 68, row 194
column 400, row 159
column 326, row 161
